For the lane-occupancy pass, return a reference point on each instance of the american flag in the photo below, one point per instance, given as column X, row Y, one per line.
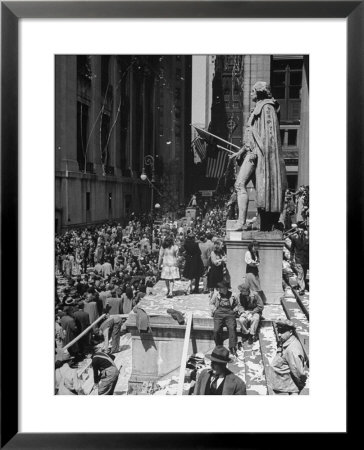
column 207, row 137
column 216, row 166
column 200, row 147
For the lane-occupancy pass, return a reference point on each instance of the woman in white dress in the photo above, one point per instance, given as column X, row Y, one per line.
column 168, row 263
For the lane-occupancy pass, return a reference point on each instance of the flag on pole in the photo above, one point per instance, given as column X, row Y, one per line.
column 216, row 166
column 200, row 148
column 217, row 133
column 207, row 136
column 216, row 141
column 196, row 158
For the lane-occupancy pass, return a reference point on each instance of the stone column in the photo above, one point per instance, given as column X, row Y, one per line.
column 270, row 268
column 93, row 151
column 66, row 113
column 303, row 161
column 131, row 122
column 115, row 133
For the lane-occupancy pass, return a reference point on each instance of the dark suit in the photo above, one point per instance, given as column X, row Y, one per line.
column 82, row 321
column 116, row 305
column 300, row 250
column 70, row 329
column 233, row 385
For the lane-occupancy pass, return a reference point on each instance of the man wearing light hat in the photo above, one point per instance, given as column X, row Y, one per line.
column 287, row 374
column 219, row 380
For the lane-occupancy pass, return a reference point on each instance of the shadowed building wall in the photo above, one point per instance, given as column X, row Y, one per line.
column 112, row 111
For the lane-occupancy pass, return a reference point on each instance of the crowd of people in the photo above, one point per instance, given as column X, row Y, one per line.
column 295, row 208
column 106, row 270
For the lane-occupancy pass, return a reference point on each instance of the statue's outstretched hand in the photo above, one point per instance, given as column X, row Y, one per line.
column 238, row 153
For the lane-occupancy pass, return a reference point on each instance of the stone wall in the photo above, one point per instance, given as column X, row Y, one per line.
column 270, row 268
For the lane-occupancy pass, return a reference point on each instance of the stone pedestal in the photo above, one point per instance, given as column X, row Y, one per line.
column 270, row 254
column 157, row 355
column 191, row 213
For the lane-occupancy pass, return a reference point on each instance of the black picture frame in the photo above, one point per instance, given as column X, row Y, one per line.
column 11, row 12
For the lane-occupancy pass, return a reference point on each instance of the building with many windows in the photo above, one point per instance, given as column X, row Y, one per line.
column 234, row 77
column 121, row 116
column 113, row 111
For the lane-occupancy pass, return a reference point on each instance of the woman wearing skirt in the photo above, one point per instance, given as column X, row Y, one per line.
column 217, row 266
column 193, row 269
column 252, row 272
column 168, row 262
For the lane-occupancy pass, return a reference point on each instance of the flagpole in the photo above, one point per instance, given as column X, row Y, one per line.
column 227, row 150
column 217, row 137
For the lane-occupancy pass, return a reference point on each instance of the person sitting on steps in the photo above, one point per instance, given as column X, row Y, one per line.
column 250, row 312
column 223, row 305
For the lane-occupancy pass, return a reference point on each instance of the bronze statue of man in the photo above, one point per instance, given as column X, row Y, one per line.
column 261, row 160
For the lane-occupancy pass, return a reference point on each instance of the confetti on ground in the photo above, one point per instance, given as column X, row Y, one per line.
column 249, row 366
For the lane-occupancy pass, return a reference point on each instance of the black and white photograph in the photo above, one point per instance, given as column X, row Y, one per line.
column 181, row 224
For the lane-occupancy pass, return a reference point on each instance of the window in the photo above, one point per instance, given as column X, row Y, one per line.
column 104, row 73
column 161, row 120
column 82, row 138
column 286, row 83
column 105, row 126
column 292, row 137
column 177, row 112
column 292, row 181
column 84, row 72
column 88, row 201
column 127, row 204
column 283, row 132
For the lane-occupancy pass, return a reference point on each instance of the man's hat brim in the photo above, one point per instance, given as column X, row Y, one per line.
column 285, row 325
column 218, row 360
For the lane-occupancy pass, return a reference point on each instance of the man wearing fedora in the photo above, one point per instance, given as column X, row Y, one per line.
column 219, row 380
column 223, row 305
column 287, row 374
column 82, row 320
column 70, row 329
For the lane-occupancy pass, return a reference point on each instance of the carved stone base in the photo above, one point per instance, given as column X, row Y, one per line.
column 191, row 213
column 270, row 268
column 157, row 355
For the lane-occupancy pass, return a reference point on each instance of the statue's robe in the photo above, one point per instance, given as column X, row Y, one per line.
column 263, row 137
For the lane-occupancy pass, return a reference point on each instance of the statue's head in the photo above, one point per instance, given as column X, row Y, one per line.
column 261, row 91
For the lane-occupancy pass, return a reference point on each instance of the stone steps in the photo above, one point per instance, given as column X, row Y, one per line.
column 254, row 369
column 253, row 359
column 304, row 302
column 268, row 346
column 296, row 315
column 122, row 362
